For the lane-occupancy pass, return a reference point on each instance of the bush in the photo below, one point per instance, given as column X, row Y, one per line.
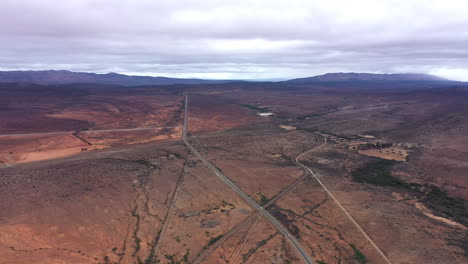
column 358, row 255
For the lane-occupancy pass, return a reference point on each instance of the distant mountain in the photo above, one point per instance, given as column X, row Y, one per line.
column 68, row 77
column 347, row 77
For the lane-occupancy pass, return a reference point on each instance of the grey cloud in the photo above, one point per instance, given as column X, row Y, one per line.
column 236, row 39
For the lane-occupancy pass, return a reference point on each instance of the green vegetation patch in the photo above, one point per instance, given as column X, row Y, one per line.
column 185, row 258
column 263, row 199
column 147, row 163
column 257, row 108
column 214, row 239
column 174, row 260
column 227, row 203
column 311, row 130
column 378, row 173
column 260, row 244
column 317, row 114
column 358, row 256
column 314, row 130
column 439, row 200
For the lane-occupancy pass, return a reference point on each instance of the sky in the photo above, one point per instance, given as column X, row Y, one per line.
column 221, row 39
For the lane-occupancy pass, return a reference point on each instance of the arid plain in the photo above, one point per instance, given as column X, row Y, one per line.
column 100, row 173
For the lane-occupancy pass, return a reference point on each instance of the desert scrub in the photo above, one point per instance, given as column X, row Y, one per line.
column 185, row 258
column 439, row 200
column 256, row 108
column 378, row 173
column 358, row 255
column 263, row 199
column 214, row 239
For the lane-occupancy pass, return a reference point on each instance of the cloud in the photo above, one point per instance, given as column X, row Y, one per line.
column 236, row 39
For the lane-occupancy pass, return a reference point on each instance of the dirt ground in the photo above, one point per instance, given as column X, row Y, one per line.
column 141, row 197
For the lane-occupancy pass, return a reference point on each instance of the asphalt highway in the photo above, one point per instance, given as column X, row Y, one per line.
column 305, row 257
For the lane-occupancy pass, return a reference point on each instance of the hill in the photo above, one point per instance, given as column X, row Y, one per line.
column 347, row 77
column 48, row 77
column 68, row 77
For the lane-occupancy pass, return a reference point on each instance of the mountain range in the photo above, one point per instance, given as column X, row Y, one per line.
column 69, row 77
column 352, row 76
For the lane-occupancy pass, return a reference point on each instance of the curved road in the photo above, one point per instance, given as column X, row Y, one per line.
column 305, row 257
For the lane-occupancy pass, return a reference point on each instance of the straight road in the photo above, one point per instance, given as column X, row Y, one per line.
column 84, row 131
column 227, row 235
column 305, row 257
column 340, row 206
column 170, row 210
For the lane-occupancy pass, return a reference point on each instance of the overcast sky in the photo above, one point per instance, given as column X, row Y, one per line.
column 258, row 39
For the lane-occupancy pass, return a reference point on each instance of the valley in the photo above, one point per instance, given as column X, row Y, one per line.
column 344, row 173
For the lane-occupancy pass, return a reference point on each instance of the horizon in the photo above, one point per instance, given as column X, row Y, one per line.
column 256, row 131
column 259, row 40
column 279, row 79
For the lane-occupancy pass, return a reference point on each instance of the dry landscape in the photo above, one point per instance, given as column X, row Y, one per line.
column 100, row 173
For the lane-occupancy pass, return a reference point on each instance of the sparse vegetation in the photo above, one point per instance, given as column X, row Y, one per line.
column 227, row 203
column 145, row 162
column 304, row 117
column 136, row 230
column 358, row 256
column 110, row 185
column 263, row 199
column 442, row 202
column 173, row 260
column 259, row 244
column 378, row 173
column 170, row 257
column 185, row 258
column 256, row 108
column 314, row 130
column 214, row 239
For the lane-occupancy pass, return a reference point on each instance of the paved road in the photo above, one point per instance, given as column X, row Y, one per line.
column 305, row 257
column 85, row 131
column 340, row 206
column 227, row 235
